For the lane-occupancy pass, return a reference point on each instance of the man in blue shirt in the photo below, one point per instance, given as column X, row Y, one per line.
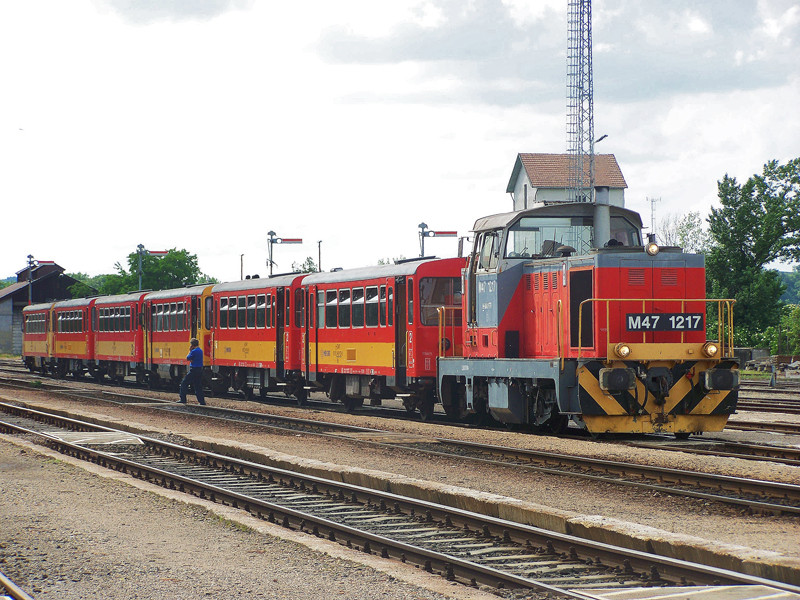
column 195, row 374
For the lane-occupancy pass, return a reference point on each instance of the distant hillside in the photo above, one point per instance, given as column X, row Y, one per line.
column 792, row 283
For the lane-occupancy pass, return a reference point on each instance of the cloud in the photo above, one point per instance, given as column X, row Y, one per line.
column 502, row 55
column 143, row 12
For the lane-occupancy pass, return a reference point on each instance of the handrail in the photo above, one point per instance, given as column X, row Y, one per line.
column 724, row 308
column 441, row 312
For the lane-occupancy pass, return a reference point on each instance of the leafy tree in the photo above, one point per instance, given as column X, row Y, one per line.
column 176, row 269
column 84, row 286
column 785, row 339
column 758, row 223
column 308, row 266
column 686, row 231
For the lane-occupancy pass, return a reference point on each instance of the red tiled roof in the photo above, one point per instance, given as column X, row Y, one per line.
column 552, row 171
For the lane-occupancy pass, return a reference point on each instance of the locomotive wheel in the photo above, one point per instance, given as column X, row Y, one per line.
column 557, row 423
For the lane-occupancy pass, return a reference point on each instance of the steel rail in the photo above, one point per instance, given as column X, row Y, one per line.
column 12, row 589
column 452, row 567
column 647, row 477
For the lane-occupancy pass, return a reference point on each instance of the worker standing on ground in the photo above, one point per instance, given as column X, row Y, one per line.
column 195, row 374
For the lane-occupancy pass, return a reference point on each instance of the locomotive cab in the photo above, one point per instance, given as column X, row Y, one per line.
column 568, row 316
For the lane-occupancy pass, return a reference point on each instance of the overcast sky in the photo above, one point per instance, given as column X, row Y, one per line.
column 205, row 124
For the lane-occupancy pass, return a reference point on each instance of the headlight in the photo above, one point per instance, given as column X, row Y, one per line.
column 652, row 248
column 622, row 350
column 710, row 349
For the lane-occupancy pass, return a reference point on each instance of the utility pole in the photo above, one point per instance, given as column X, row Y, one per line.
column 652, row 202
column 30, row 279
column 319, row 256
column 580, row 101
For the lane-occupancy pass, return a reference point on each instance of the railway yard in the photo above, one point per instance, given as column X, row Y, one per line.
column 118, row 492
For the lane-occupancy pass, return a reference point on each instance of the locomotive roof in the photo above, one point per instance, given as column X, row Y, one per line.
column 195, row 290
column 362, row 273
column 258, row 283
column 561, row 209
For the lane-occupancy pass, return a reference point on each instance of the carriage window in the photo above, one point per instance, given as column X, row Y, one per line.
column 435, row 292
column 330, row 309
column 232, row 312
column 261, row 311
column 358, row 307
column 299, row 304
column 390, row 308
column 251, row 312
column 310, row 311
column 372, row 307
column 241, row 320
column 173, row 317
column 223, row 313
column 183, row 321
column 320, row 309
column 288, row 312
column 383, row 306
column 126, row 321
column 344, row 308
column 270, row 300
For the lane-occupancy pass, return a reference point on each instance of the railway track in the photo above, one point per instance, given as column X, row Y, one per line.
column 462, row 546
column 753, row 495
column 10, row 590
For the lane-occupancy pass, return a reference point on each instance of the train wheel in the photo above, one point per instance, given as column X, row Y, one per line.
column 682, row 435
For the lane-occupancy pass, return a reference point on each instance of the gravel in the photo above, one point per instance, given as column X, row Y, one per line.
column 756, row 536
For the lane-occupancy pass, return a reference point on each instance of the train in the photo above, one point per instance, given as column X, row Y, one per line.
column 544, row 324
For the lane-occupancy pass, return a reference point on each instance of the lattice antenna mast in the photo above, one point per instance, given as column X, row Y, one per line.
column 580, row 102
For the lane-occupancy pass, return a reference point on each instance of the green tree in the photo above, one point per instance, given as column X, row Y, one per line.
column 175, row 269
column 785, row 338
column 758, row 223
column 307, row 266
column 84, row 286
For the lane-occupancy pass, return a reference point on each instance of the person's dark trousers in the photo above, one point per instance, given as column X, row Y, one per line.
column 195, row 377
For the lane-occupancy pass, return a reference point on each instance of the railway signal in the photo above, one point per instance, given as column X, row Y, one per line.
column 273, row 239
column 425, row 232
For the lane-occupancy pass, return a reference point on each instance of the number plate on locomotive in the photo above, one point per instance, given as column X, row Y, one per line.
column 664, row 322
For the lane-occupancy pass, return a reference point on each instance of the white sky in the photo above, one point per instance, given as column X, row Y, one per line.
column 205, row 124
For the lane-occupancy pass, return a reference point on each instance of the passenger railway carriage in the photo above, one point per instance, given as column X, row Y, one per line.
column 118, row 337
column 37, row 336
column 72, row 346
column 256, row 334
column 171, row 319
column 374, row 332
column 567, row 315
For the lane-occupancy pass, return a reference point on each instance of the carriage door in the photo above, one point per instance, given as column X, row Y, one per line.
column 147, row 324
column 308, row 330
column 195, row 315
column 401, row 331
column 280, row 319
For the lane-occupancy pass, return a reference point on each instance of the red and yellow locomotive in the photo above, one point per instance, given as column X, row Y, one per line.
column 559, row 327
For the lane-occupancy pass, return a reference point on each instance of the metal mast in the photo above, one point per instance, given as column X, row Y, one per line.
column 580, row 101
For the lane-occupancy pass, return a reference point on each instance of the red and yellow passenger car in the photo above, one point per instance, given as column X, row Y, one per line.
column 374, row 332
column 118, row 336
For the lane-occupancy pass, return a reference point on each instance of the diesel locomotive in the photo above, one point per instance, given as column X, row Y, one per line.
column 561, row 313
